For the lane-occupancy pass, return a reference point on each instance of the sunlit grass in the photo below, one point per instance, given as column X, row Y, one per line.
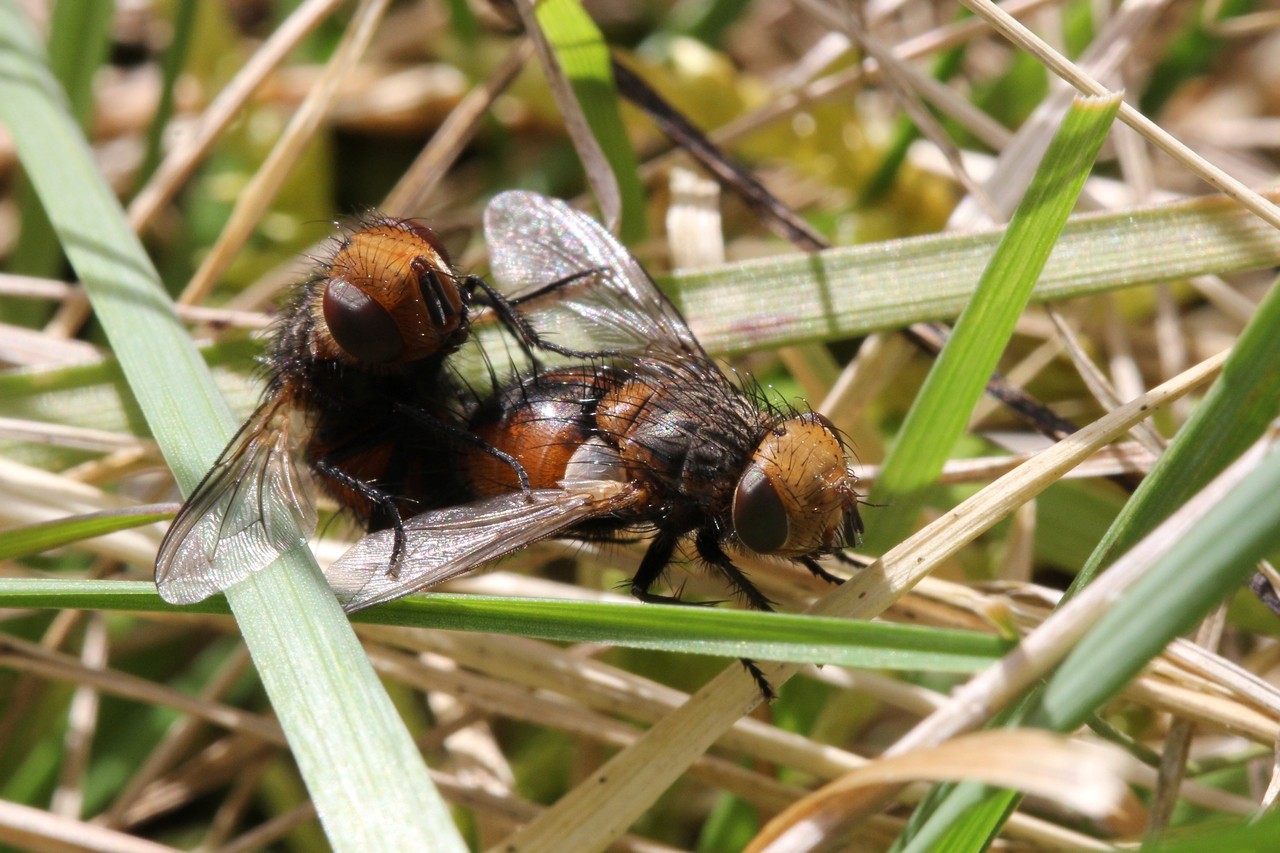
column 140, row 721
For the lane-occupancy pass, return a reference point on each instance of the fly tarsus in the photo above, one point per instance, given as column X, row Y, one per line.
column 385, row 513
column 813, row 566
column 753, row 669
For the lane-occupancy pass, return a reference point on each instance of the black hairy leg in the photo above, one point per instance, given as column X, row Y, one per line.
column 708, row 547
column 508, row 313
column 385, row 513
column 813, row 566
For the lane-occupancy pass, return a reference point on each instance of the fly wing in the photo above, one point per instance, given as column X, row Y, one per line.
column 448, row 543
column 612, row 305
column 250, row 508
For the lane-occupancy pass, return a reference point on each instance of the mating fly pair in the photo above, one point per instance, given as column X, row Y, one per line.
column 646, row 436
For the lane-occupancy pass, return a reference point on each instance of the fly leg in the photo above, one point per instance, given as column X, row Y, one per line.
column 819, row 572
column 707, row 544
column 552, row 287
column 658, row 557
column 852, row 562
column 655, row 561
column 459, row 434
column 509, row 315
column 385, row 514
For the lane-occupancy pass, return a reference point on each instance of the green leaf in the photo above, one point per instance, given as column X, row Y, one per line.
column 856, row 290
column 1208, row 563
column 1235, row 412
column 583, row 55
column 970, row 829
column 331, row 705
column 691, row 630
column 939, row 414
column 35, row 538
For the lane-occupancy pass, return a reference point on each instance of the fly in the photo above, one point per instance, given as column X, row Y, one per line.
column 356, row 386
column 651, row 437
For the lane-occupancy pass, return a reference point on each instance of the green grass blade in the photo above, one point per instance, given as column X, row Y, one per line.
column 330, row 703
column 175, row 56
column 695, row 630
column 1211, row 560
column 583, row 55
column 79, row 36
column 965, row 821
column 1235, row 412
column 1253, row 835
column 856, row 290
column 34, row 538
column 938, row 416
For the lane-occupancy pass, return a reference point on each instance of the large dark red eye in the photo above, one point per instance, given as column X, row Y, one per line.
column 759, row 518
column 359, row 325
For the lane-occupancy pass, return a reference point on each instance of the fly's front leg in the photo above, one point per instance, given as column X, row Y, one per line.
column 385, row 512
column 708, row 546
column 509, row 315
column 819, row 572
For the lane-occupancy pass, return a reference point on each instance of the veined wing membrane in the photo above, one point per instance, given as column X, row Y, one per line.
column 250, row 508
column 448, row 543
column 613, row 305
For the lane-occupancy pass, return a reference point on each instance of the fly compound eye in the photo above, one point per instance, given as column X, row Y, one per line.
column 360, row 325
column 759, row 517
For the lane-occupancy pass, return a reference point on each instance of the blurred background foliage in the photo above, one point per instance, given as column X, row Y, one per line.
column 139, row 73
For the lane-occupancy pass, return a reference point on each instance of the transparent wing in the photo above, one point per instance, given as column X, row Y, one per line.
column 448, row 543
column 250, row 508
column 614, row 305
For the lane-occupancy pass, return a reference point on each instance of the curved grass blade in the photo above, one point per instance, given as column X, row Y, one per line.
column 579, row 70
column 335, row 712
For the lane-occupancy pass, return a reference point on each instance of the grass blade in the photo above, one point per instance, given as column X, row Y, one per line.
column 1235, row 412
column 333, row 708
column 705, row 631
column 939, row 413
column 577, row 63
column 35, row 538
column 856, row 290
